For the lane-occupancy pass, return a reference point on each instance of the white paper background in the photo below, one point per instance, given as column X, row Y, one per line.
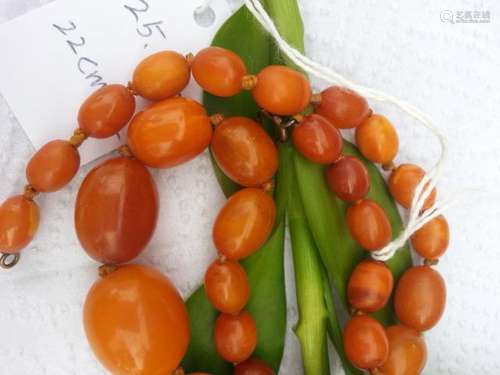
column 451, row 71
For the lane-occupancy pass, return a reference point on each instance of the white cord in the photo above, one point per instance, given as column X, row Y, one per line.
column 416, row 218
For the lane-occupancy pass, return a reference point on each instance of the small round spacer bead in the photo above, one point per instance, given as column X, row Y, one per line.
column 316, row 99
column 431, row 262
column 216, row 119
column 78, row 138
column 124, row 150
column 389, row 167
column 106, row 269
column 189, row 58
column 30, row 192
column 248, row 81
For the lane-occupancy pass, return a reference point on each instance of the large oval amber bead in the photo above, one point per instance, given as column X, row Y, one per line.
column 420, row 298
column 244, row 223
column 170, row 132
column 19, row 218
column 136, row 322
column 106, row 111
column 116, row 210
column 53, row 166
column 244, row 151
column 407, row 352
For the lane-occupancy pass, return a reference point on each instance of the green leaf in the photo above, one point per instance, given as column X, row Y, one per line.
column 326, row 217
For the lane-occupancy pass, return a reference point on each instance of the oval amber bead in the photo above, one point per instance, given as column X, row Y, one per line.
column 370, row 286
column 116, row 210
column 161, row 75
column 377, row 139
column 365, row 342
column 420, row 298
column 219, row 71
column 106, row 111
column 19, row 218
column 348, row 179
column 369, row 225
column 53, row 166
column 226, row 286
column 282, row 90
column 407, row 352
column 344, row 108
column 235, row 336
column 136, row 322
column 317, row 139
column 403, row 182
column 253, row 366
column 244, row 223
column 170, row 132
column 431, row 241
column 244, row 151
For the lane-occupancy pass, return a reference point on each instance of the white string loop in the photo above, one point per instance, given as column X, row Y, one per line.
column 416, row 218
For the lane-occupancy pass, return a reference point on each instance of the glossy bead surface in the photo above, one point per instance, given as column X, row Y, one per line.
column 235, row 336
column 403, row 182
column 116, row 210
column 244, row 151
column 136, row 322
column 369, row 225
column 343, row 107
column 106, row 111
column 170, row 132
column 370, row 286
column 53, row 166
column 161, row 75
column 348, row 179
column 19, row 218
column 431, row 241
column 282, row 90
column 365, row 342
column 377, row 139
column 407, row 352
column 226, row 286
column 420, row 298
column 317, row 139
column 253, row 366
column 219, row 71
column 244, row 223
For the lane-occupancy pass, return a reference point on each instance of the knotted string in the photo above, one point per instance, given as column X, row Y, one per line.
column 416, row 216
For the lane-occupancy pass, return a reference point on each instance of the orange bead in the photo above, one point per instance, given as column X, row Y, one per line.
column 219, row 71
column 407, row 352
column 344, row 108
column 116, row 210
column 161, row 75
column 235, row 336
column 106, row 111
column 244, row 151
column 403, row 182
column 377, row 139
column 317, row 139
column 282, row 90
column 365, row 342
column 244, row 224
column 253, row 366
column 431, row 241
column 370, row 286
column 369, row 225
column 170, row 132
column 420, row 298
column 348, row 179
column 136, row 322
column 19, row 218
column 226, row 286
column 53, row 166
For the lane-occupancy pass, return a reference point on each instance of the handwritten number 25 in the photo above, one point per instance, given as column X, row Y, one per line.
column 147, row 29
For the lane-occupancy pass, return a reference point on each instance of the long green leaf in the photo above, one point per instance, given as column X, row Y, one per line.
column 326, row 217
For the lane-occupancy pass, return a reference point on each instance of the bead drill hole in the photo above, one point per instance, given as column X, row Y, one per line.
column 204, row 16
column 8, row 261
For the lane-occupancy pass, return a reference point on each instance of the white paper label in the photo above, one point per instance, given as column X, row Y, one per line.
column 54, row 57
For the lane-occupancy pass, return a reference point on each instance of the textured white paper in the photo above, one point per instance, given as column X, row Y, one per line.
column 54, row 57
